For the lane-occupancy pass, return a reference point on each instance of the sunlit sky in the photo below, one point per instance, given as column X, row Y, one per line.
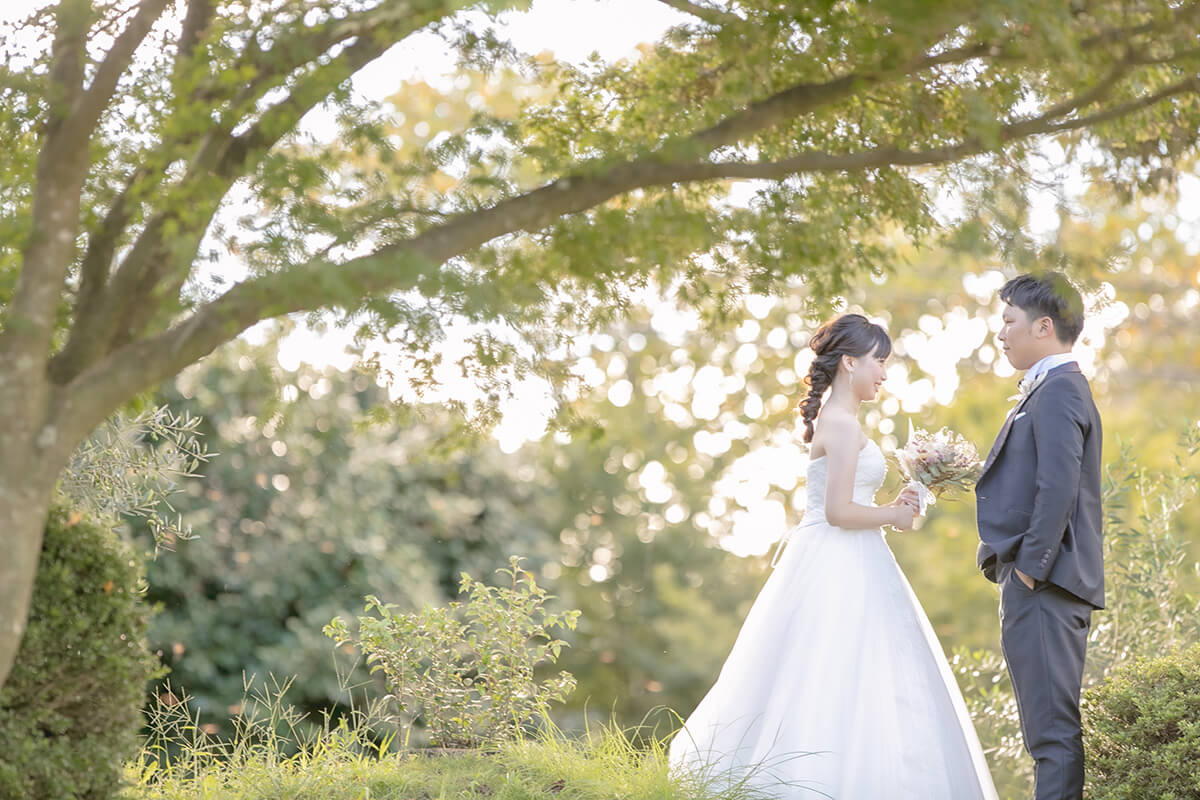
column 613, row 28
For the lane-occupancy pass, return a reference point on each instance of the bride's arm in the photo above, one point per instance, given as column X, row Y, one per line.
column 842, row 445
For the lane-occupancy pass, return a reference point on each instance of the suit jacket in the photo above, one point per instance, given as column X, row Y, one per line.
column 1038, row 497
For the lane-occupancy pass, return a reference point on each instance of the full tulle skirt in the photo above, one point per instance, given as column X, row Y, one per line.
column 836, row 686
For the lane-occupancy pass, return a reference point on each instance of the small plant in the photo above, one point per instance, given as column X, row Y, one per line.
column 131, row 465
column 272, row 743
column 467, row 670
column 1141, row 729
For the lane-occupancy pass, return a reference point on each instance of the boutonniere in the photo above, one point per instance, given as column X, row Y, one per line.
column 1025, row 386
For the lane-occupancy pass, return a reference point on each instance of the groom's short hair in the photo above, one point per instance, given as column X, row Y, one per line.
column 1049, row 294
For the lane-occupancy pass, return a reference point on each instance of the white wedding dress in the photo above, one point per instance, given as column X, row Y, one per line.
column 836, row 686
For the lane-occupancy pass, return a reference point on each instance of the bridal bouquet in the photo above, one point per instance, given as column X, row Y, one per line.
column 936, row 462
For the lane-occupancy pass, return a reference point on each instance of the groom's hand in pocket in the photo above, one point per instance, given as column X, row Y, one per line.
column 1025, row 579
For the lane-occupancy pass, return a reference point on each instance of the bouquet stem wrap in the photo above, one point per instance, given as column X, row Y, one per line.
column 924, row 494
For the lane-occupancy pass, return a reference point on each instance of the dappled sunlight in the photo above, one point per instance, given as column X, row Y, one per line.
column 761, row 492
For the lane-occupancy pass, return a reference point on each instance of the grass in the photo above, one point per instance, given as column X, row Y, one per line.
column 275, row 756
column 602, row 766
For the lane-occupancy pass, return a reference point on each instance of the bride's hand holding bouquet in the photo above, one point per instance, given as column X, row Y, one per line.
column 935, row 463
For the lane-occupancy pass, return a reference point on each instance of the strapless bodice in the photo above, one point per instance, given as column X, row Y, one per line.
column 868, row 477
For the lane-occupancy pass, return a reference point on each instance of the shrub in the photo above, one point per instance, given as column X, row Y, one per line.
column 1142, row 730
column 467, row 670
column 71, row 709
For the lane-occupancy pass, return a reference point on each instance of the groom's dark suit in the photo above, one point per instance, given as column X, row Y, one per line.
column 1038, row 510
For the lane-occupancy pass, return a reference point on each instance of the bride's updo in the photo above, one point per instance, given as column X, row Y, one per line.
column 848, row 335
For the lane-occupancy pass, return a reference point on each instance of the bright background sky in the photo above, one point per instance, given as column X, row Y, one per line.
column 574, row 29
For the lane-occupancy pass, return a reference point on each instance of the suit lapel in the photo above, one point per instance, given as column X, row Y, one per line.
column 1002, row 437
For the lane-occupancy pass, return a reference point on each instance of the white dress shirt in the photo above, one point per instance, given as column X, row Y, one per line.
column 1046, row 364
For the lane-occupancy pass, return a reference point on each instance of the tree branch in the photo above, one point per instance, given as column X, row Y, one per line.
column 148, row 262
column 1172, row 58
column 91, row 104
column 68, row 55
column 1127, row 108
column 1179, row 20
column 398, row 267
column 891, row 156
column 58, row 178
column 151, row 274
column 1095, row 94
column 195, row 23
column 713, row 16
column 807, row 97
column 62, row 167
column 291, row 53
column 102, row 246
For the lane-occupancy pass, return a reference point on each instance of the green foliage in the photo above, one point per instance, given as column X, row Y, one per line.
column 345, row 760
column 983, row 677
column 311, row 506
column 264, row 726
column 467, row 670
column 70, row 711
column 1142, row 730
column 1147, row 550
column 430, row 208
column 132, row 465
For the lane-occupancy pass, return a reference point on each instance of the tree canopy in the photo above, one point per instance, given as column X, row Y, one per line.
column 147, row 137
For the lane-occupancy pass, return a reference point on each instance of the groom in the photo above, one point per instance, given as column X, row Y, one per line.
column 1038, row 510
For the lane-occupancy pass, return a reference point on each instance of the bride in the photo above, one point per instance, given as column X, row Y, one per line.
column 836, row 686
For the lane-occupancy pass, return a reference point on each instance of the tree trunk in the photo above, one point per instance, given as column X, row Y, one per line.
column 30, row 461
column 23, row 508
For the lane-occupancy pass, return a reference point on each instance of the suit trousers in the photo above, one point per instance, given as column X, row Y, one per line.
column 1043, row 632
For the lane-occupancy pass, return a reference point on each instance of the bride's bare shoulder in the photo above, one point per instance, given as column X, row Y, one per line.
column 835, row 430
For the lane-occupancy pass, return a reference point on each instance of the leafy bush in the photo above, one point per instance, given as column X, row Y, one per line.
column 1142, row 730
column 71, row 709
column 467, row 670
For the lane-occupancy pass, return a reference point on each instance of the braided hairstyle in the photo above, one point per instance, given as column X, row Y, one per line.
column 847, row 335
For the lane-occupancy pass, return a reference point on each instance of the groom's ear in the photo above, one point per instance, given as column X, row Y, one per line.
column 1043, row 327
